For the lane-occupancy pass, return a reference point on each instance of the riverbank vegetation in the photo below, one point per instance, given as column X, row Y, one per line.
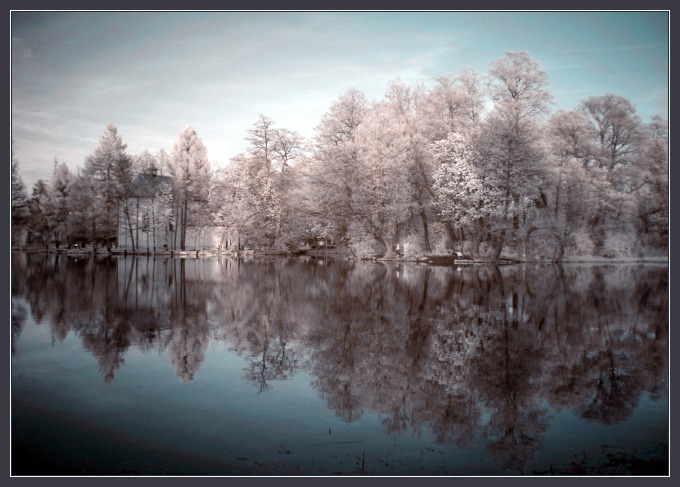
column 473, row 165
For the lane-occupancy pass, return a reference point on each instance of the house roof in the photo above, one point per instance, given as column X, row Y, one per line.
column 146, row 185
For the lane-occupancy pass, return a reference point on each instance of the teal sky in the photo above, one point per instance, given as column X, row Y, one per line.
column 153, row 73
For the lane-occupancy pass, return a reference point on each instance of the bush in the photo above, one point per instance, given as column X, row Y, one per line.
column 580, row 244
column 619, row 244
column 363, row 245
column 412, row 246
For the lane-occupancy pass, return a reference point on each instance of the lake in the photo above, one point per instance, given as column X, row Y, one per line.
column 313, row 366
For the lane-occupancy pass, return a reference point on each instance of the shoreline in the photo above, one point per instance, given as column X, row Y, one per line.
column 440, row 259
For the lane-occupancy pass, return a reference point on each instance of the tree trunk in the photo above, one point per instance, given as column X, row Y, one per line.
column 390, row 253
column 560, row 249
column 480, row 230
column 176, row 226
column 126, row 210
column 426, row 235
column 184, row 226
column 500, row 241
column 450, row 232
column 153, row 222
column 531, row 230
column 94, row 232
column 136, row 226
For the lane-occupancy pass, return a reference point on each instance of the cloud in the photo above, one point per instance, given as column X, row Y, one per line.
column 21, row 53
column 606, row 49
column 151, row 73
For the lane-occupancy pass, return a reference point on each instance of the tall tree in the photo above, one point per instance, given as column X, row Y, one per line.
column 572, row 136
column 453, row 105
column 269, row 162
column 109, row 168
column 517, row 81
column 191, row 172
column 510, row 142
column 261, row 156
column 649, row 184
column 19, row 201
column 381, row 198
column 154, row 200
column 616, row 128
column 84, row 201
column 569, row 195
column 463, row 190
column 335, row 160
column 38, row 208
column 404, row 102
column 238, row 201
column 59, row 188
column 261, row 138
column 289, row 148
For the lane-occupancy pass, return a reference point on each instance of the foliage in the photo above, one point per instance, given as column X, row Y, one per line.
column 472, row 163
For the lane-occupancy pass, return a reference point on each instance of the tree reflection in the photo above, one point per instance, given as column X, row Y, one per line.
column 108, row 341
column 472, row 354
column 270, row 357
column 19, row 313
column 188, row 318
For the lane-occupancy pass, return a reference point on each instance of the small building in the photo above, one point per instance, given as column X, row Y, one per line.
column 148, row 220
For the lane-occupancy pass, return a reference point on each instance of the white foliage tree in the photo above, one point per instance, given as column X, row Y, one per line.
column 59, row 187
column 510, row 144
column 110, row 170
column 191, row 173
column 465, row 194
column 333, row 170
column 238, row 200
column 381, row 198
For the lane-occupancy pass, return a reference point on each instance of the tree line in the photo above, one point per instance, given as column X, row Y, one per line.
column 475, row 163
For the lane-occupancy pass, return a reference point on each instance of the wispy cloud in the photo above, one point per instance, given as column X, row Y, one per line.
column 605, row 49
column 152, row 73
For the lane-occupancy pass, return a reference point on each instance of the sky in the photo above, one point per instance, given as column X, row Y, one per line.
column 153, row 73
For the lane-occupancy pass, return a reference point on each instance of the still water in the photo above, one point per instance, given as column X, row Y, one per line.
column 301, row 366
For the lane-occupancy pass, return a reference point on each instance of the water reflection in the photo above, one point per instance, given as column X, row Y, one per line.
column 467, row 353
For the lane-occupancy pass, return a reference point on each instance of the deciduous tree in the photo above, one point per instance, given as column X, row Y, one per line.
column 510, row 139
column 191, row 172
column 19, row 197
column 109, row 169
column 335, row 163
